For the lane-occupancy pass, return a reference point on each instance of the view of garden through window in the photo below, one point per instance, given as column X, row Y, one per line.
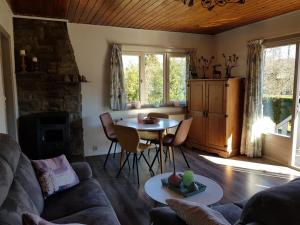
column 278, row 85
column 151, row 86
column 131, row 64
column 177, row 78
column 154, row 79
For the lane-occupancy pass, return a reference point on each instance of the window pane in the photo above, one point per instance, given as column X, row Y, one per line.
column 177, row 78
column 278, row 85
column 154, row 79
column 132, row 77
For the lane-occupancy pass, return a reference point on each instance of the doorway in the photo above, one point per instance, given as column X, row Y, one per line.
column 7, row 97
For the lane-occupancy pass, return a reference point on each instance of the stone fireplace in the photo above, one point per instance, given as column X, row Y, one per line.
column 51, row 84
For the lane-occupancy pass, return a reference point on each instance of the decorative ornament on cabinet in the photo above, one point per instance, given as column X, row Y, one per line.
column 205, row 65
column 217, row 74
column 230, row 62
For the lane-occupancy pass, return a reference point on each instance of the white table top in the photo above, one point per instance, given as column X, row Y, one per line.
column 212, row 194
column 162, row 125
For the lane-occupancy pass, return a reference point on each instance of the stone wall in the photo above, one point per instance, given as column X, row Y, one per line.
column 51, row 84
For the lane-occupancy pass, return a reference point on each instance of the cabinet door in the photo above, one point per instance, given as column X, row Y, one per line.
column 216, row 116
column 197, row 129
column 197, row 96
column 196, row 110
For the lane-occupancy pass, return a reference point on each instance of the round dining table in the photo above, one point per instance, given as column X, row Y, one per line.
column 159, row 127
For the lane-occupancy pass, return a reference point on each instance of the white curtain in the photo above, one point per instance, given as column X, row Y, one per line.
column 251, row 144
column 117, row 88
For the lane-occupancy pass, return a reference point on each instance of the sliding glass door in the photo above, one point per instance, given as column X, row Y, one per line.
column 281, row 92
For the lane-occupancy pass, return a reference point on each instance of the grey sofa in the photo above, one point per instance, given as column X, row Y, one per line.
column 20, row 192
column 274, row 206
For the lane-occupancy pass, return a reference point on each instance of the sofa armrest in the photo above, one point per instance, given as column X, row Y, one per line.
column 83, row 170
column 165, row 215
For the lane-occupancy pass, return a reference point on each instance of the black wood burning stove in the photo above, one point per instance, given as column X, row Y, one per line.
column 45, row 135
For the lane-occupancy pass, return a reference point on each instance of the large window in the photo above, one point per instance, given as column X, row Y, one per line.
column 278, row 86
column 155, row 79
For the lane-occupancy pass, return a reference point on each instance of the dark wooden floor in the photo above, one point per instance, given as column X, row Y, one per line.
column 132, row 204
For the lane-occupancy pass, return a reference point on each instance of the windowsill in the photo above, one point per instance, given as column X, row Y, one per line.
column 275, row 134
column 129, row 107
column 160, row 108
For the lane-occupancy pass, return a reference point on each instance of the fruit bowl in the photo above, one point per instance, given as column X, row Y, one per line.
column 175, row 183
column 151, row 120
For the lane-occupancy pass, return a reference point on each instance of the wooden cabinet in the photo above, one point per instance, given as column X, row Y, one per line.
column 216, row 108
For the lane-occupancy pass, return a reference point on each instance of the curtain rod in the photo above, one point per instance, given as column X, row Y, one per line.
column 152, row 46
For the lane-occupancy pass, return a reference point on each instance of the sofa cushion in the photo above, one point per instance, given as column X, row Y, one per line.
column 274, row 206
column 85, row 195
column 192, row 213
column 18, row 201
column 26, row 176
column 9, row 159
column 104, row 215
column 55, row 174
column 230, row 211
column 19, row 189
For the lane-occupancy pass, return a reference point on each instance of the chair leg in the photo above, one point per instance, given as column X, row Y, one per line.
column 133, row 161
column 137, row 168
column 187, row 163
column 174, row 168
column 155, row 157
column 118, row 174
column 166, row 154
column 128, row 161
column 108, row 153
column 115, row 149
column 140, row 156
column 150, row 169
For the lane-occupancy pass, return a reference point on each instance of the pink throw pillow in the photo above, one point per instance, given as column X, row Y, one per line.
column 55, row 175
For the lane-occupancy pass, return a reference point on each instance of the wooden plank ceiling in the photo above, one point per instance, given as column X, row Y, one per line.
column 168, row 15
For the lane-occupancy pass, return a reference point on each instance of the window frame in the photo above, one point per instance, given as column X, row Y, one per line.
column 167, row 54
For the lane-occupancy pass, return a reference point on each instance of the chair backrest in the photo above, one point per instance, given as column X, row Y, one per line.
column 108, row 125
column 158, row 115
column 128, row 138
column 182, row 131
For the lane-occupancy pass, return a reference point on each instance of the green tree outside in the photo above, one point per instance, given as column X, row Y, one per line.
column 132, row 86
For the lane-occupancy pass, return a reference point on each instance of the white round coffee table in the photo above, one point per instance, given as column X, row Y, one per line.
column 212, row 194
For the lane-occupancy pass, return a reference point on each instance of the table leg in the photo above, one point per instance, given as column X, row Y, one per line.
column 161, row 150
column 121, row 157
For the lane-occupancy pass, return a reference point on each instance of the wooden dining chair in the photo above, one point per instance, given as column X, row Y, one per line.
column 176, row 140
column 130, row 143
column 108, row 127
column 152, row 136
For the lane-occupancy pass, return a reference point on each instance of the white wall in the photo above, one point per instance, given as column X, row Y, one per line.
column 92, row 47
column 275, row 147
column 235, row 41
column 6, row 23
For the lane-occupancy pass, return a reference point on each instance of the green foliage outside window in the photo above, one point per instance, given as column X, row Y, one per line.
column 153, row 82
column 177, row 79
column 154, row 79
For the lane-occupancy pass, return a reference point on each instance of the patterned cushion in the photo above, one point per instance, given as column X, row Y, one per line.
column 55, row 175
column 31, row 219
column 196, row 213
